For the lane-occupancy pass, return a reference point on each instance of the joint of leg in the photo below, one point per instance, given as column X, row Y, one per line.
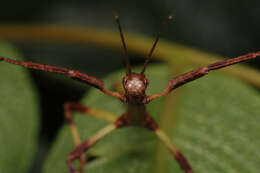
column 79, row 150
column 183, row 162
column 150, row 124
column 67, row 113
column 71, row 106
column 69, row 163
column 121, row 121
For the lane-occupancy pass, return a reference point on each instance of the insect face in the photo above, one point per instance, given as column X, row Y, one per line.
column 135, row 84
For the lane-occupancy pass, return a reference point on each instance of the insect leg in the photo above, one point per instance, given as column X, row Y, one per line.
column 200, row 72
column 74, row 74
column 76, row 107
column 183, row 162
column 84, row 146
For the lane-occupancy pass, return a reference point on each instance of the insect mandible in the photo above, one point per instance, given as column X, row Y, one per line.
column 134, row 95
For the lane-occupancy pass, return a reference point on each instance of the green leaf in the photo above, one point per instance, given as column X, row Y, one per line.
column 18, row 115
column 217, row 129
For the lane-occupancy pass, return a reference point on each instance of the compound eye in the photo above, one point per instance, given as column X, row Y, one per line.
column 146, row 82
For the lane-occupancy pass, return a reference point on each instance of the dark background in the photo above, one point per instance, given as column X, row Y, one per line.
column 225, row 27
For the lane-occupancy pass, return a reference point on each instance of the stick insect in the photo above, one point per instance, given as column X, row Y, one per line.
column 134, row 95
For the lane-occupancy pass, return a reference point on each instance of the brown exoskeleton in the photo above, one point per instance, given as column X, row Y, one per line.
column 134, row 85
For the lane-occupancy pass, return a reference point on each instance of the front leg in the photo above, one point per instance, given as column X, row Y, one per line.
column 74, row 74
column 200, row 72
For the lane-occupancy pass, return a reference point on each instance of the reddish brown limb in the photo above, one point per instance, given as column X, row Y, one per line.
column 183, row 162
column 76, row 107
column 68, row 108
column 74, row 74
column 200, row 72
column 84, row 146
column 128, row 66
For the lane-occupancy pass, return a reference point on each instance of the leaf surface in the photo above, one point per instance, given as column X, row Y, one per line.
column 18, row 115
column 216, row 129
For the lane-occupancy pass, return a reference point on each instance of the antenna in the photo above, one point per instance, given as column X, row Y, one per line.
column 170, row 17
column 128, row 67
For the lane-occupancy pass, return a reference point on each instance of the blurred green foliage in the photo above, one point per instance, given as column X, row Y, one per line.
column 18, row 115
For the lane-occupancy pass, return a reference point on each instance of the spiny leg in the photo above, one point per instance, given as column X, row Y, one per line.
column 74, row 74
column 84, row 146
column 200, row 72
column 76, row 107
column 150, row 124
column 183, row 162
